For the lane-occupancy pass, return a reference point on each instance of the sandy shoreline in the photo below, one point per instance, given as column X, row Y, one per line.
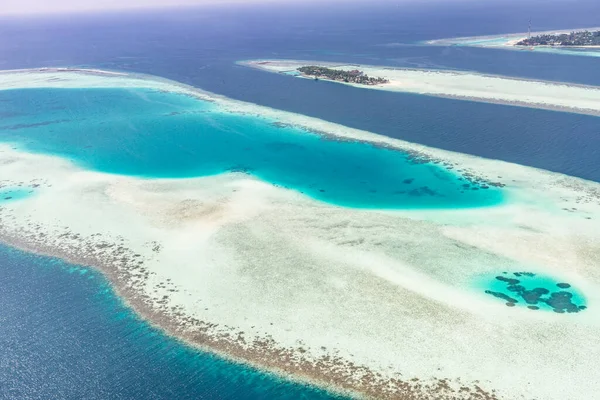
column 364, row 302
column 461, row 85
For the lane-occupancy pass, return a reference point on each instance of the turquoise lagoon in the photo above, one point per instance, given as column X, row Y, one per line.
column 534, row 291
column 9, row 194
column 157, row 134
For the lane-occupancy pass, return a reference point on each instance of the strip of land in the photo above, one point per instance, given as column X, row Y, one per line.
column 566, row 41
column 379, row 303
column 458, row 85
column 585, row 38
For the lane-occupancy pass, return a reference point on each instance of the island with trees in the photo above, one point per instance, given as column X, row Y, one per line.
column 353, row 76
column 576, row 39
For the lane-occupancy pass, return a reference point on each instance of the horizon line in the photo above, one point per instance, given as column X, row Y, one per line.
column 25, row 11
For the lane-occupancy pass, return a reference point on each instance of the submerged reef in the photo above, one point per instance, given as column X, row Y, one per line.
column 526, row 288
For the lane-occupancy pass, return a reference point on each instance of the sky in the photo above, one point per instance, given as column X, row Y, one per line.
column 61, row 6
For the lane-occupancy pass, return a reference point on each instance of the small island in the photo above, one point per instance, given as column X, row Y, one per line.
column 353, row 76
column 574, row 39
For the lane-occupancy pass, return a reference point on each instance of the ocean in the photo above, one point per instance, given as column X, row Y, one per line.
column 66, row 335
column 64, row 332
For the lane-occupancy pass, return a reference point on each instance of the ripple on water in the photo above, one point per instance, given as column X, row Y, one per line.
column 65, row 334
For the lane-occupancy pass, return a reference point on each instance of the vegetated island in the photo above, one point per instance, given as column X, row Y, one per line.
column 461, row 85
column 353, row 76
column 574, row 39
column 565, row 42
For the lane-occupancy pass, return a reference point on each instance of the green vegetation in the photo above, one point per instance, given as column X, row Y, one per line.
column 582, row 38
column 354, row 76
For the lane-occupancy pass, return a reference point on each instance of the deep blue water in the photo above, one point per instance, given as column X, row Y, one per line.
column 150, row 133
column 64, row 335
column 199, row 47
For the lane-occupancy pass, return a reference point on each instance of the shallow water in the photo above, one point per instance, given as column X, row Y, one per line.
column 475, row 42
column 149, row 133
column 9, row 194
column 569, row 52
column 534, row 291
column 65, row 335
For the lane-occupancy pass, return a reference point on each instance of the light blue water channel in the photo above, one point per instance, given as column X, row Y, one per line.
column 10, row 194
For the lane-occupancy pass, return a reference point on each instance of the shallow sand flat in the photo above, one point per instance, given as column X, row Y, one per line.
column 330, row 294
column 463, row 85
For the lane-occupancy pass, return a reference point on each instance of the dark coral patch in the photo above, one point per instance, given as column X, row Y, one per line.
column 529, row 274
column 516, row 291
column 563, row 285
column 502, row 296
column 508, row 280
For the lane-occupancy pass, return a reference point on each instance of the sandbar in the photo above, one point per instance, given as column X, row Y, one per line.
column 461, row 85
column 376, row 303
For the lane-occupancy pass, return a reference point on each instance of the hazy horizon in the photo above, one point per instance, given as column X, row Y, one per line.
column 27, row 7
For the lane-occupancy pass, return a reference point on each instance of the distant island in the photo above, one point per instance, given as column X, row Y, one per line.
column 353, row 76
column 462, row 85
column 577, row 39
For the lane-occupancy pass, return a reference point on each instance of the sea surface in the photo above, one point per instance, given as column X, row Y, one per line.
column 63, row 332
column 199, row 46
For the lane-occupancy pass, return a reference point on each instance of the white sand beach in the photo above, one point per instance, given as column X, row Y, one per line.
column 378, row 303
column 462, row 85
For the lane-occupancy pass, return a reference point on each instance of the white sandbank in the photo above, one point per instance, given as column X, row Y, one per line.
column 462, row 85
column 363, row 299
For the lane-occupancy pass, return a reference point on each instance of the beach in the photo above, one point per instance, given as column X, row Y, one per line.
column 377, row 303
column 463, row 85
